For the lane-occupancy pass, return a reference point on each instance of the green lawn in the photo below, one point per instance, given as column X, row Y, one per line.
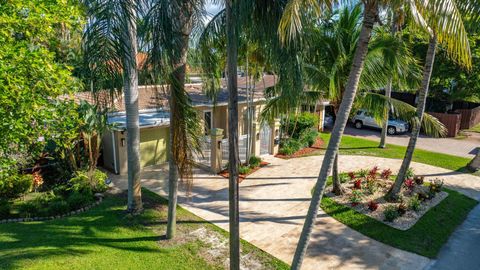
column 105, row 238
column 474, row 129
column 426, row 237
column 357, row 146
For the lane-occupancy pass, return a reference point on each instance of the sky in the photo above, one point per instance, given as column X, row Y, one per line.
column 212, row 9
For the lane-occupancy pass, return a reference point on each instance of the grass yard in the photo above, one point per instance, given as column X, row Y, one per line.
column 474, row 129
column 105, row 238
column 425, row 238
column 357, row 146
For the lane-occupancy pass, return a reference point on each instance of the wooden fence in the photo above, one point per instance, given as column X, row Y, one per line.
column 470, row 117
column 451, row 122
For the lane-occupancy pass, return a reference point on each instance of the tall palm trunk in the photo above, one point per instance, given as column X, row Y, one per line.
column 337, row 184
column 370, row 15
column 233, row 158
column 177, row 85
column 388, row 95
column 130, row 79
column 427, row 72
column 337, row 188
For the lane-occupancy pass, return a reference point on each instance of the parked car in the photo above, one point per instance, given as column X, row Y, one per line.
column 395, row 126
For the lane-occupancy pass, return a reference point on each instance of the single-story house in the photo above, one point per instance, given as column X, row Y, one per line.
column 154, row 123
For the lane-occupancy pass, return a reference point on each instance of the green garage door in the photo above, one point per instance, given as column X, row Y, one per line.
column 153, row 146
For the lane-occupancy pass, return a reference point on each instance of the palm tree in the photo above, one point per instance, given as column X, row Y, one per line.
column 233, row 153
column 328, row 60
column 291, row 23
column 396, row 22
column 169, row 26
column 444, row 23
column 110, row 45
column 259, row 20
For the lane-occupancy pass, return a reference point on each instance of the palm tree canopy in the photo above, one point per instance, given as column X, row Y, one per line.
column 104, row 42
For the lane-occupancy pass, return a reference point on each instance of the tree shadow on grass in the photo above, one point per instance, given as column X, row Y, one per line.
column 105, row 226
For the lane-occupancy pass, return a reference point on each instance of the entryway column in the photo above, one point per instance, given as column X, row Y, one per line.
column 275, row 136
column 216, row 136
column 255, row 139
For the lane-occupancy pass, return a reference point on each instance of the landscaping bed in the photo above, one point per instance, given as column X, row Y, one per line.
column 253, row 165
column 317, row 145
column 31, row 199
column 425, row 237
column 365, row 191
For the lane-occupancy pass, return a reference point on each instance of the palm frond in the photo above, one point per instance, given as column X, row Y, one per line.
column 291, row 23
column 445, row 20
column 379, row 107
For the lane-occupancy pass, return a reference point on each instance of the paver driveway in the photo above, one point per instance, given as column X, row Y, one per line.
column 274, row 202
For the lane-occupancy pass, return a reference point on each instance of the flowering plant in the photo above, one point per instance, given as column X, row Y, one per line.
column 386, row 174
column 372, row 205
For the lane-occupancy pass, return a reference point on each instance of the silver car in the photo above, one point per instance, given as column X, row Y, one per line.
column 363, row 118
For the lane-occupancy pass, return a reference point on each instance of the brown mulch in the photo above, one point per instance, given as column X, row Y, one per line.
column 304, row 151
column 241, row 177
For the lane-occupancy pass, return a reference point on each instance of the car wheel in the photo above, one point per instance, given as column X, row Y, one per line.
column 391, row 130
column 358, row 124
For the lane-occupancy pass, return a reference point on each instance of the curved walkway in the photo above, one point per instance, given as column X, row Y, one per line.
column 274, row 202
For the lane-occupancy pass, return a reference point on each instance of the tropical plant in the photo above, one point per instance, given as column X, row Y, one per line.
column 169, row 26
column 94, row 124
column 391, row 213
column 329, row 55
column 110, row 45
column 414, row 203
column 254, row 161
column 443, row 22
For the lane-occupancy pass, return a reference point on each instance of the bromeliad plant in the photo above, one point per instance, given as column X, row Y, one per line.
column 356, row 197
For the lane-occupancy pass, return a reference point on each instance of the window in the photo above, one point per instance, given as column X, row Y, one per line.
column 207, row 118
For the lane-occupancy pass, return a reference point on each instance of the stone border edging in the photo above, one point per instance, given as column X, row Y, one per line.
column 71, row 213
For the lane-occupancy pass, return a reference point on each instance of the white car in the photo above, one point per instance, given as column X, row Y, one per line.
column 363, row 118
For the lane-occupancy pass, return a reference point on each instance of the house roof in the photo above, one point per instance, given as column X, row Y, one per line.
column 146, row 119
column 154, row 97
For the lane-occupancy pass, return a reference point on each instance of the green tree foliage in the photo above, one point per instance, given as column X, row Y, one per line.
column 451, row 83
column 31, row 79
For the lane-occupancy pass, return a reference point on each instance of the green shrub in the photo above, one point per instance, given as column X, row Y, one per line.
column 28, row 209
column 409, row 174
column 244, row 169
column 57, row 207
column 13, row 186
column 290, row 146
column 391, row 213
column 77, row 200
column 414, row 203
column 4, row 209
column 254, row 161
column 61, row 190
column 308, row 137
column 356, row 197
column 99, row 178
column 298, row 123
column 82, row 182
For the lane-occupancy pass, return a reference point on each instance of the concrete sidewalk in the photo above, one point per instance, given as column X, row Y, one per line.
column 274, row 202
